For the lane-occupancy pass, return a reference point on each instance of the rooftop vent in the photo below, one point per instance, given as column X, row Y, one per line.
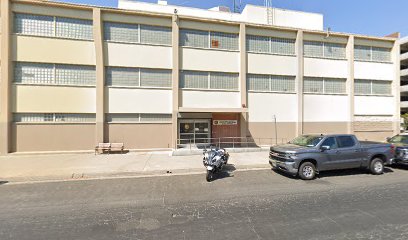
column 221, row 9
column 162, row 2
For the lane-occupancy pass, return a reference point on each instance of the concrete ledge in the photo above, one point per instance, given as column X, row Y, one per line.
column 190, row 152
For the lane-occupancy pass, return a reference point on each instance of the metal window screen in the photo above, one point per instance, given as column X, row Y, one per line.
column 283, row 46
column 149, row 117
column 362, row 53
column 74, row 28
column 335, row 50
column 313, row 49
column 381, row 54
column 362, row 87
column 334, row 85
column 194, row 38
column 34, row 24
column 116, row 76
column 282, row 84
column 53, row 117
column 193, row 79
column 122, row 117
column 258, row 44
column 155, row 35
column 381, row 87
column 313, row 85
column 34, row 73
column 226, row 81
column 227, row 41
column 258, row 82
column 155, row 78
column 75, row 75
column 121, row 32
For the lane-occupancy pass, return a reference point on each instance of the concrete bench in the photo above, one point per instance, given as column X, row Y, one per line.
column 109, row 147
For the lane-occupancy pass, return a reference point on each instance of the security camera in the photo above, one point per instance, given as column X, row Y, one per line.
column 175, row 11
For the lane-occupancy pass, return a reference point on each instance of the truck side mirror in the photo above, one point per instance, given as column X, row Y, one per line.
column 388, row 139
column 325, row 148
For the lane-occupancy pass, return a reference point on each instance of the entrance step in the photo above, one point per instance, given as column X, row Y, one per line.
column 188, row 152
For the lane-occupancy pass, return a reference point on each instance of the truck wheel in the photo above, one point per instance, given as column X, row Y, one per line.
column 377, row 166
column 307, row 171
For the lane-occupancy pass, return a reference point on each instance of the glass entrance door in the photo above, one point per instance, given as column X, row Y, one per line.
column 194, row 131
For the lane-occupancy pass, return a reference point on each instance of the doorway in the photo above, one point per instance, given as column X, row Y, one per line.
column 194, row 131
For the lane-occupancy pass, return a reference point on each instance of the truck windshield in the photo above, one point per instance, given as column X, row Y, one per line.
column 399, row 139
column 307, row 140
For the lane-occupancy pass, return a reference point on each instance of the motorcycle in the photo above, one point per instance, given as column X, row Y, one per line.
column 214, row 160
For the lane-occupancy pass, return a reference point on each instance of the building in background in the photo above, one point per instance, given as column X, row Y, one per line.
column 160, row 76
column 404, row 75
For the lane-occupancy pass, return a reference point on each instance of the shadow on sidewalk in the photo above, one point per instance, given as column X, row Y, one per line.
column 226, row 172
column 3, row 182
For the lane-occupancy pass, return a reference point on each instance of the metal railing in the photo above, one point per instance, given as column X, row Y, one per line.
column 228, row 142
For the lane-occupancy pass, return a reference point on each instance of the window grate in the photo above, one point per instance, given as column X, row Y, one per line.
column 75, row 75
column 283, row 46
column 258, row 44
column 206, row 39
column 324, row 50
column 194, row 79
column 121, row 32
column 117, row 76
column 372, row 87
column 335, row 50
column 313, row 49
column 362, row 87
column 270, row 45
column 34, row 73
column 138, row 117
column 194, row 38
column 74, row 28
column 34, row 24
column 313, row 85
column 336, row 86
column 228, row 41
column 259, row 82
column 225, row 81
column 282, row 83
column 376, row 54
column 324, row 85
column 53, row 117
column 155, row 78
column 155, row 35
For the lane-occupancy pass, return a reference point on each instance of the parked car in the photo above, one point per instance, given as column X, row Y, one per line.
column 400, row 143
column 308, row 155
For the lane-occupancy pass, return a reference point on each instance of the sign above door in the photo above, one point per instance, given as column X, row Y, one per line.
column 225, row 122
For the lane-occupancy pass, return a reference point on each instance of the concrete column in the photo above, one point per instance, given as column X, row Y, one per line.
column 396, row 87
column 6, row 76
column 299, row 81
column 242, row 78
column 175, row 78
column 100, row 75
column 350, row 82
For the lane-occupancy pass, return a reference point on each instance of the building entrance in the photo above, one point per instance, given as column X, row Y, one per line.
column 194, row 131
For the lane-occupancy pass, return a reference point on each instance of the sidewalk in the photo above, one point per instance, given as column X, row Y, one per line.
column 22, row 168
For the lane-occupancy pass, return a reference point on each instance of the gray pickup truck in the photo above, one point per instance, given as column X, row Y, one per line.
column 308, row 155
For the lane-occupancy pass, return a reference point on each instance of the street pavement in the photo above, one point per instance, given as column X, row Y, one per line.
column 254, row 204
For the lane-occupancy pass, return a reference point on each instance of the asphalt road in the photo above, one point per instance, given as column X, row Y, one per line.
column 239, row 205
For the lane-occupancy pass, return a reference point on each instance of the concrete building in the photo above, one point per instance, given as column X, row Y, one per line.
column 404, row 74
column 152, row 77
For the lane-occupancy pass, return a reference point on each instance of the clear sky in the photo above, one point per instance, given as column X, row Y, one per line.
column 370, row 17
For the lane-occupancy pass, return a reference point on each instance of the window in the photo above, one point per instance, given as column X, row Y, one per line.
column 330, row 142
column 136, row 77
column 53, row 117
column 268, row 83
column 138, row 118
column 372, row 87
column 270, row 45
column 375, row 54
column 324, row 85
column 324, row 50
column 50, row 26
column 121, row 32
column 54, row 74
column 136, row 33
column 345, row 141
column 205, row 39
column 209, row 80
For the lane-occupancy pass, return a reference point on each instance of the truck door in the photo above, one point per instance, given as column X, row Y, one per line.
column 349, row 152
column 330, row 160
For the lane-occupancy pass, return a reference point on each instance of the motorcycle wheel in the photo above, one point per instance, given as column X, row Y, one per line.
column 209, row 176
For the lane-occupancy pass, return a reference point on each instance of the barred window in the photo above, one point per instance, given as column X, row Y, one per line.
column 34, row 73
column 75, row 75
column 53, row 117
column 221, row 40
column 121, row 32
column 334, row 85
column 258, row 44
column 194, row 79
column 55, row 74
column 138, row 117
column 259, row 82
column 34, row 24
column 324, row 50
column 372, row 87
column 226, row 81
column 324, row 85
column 74, row 28
column 334, row 50
column 50, row 26
column 282, row 84
column 313, row 49
column 194, row 38
column 155, row 35
column 283, row 46
column 376, row 54
column 118, row 76
column 155, row 78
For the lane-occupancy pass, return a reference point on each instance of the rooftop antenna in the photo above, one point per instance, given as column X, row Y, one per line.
column 269, row 12
column 328, row 32
column 236, row 6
